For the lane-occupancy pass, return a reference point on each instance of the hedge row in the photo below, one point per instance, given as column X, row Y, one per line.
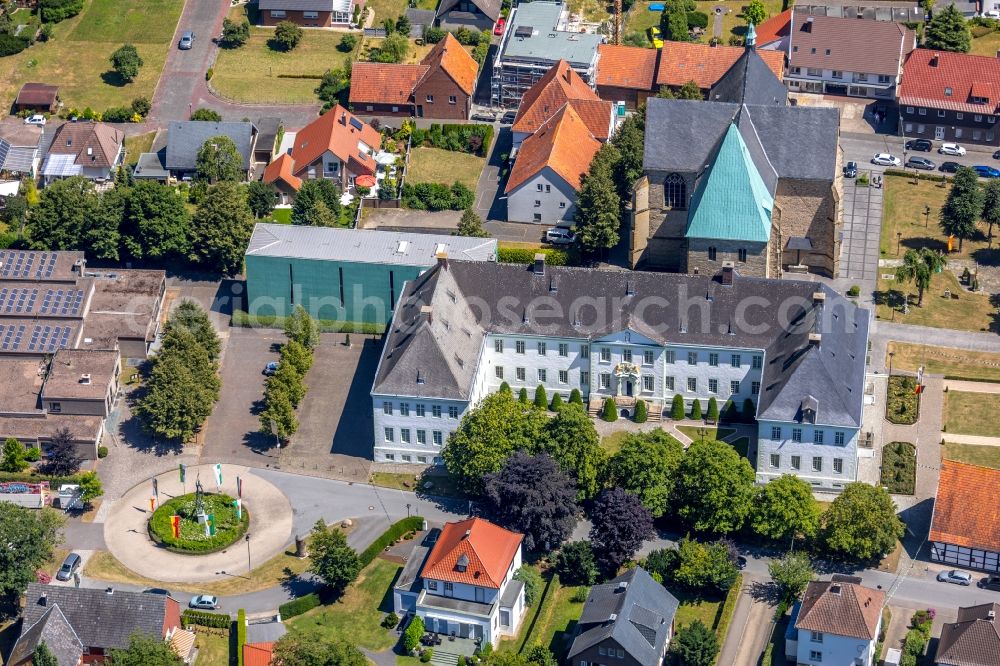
column 206, row 619
column 937, row 178
column 243, row 319
column 396, row 530
column 241, row 635
column 300, row 76
column 298, row 606
column 526, row 255
column 30, row 477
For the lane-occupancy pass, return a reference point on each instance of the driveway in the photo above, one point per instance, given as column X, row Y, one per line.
column 859, row 249
column 489, row 204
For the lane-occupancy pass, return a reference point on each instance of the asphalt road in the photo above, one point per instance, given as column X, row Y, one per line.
column 861, row 147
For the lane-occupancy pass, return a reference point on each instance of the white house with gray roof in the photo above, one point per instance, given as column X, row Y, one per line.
column 462, row 329
column 186, row 137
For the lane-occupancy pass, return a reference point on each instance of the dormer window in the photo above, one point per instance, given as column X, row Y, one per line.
column 462, row 564
column 947, row 92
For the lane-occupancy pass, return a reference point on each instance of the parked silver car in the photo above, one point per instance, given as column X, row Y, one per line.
column 956, row 577
column 187, row 40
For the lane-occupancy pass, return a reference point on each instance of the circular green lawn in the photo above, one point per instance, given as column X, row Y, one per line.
column 228, row 528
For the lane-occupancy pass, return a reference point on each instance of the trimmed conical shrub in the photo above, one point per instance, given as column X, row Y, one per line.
column 640, row 412
column 610, row 411
column 713, row 410
column 505, row 388
column 696, row 409
column 556, row 403
column 522, row 396
column 730, row 412
column 749, row 411
column 541, row 400
column 575, row 398
column 677, row 408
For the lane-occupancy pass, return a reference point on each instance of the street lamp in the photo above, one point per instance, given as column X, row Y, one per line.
column 407, row 509
column 927, row 215
column 891, row 354
column 899, row 238
column 249, row 567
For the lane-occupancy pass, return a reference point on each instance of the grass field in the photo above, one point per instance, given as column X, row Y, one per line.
column 556, row 620
column 957, row 363
column 972, row 413
column 76, row 58
column 987, row 456
column 389, row 9
column 639, row 19
column 213, row 650
column 967, row 312
column 434, row 165
column 903, row 212
column 255, row 72
column 136, row 145
column 710, row 432
column 356, row 616
column 444, row 484
column 987, row 45
column 613, row 442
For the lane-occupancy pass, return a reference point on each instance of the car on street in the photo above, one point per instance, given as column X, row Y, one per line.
column 560, row 236
column 984, row 171
column 69, row 567
column 949, row 167
column 990, row 583
column 270, row 368
column 187, row 40
column 851, row 170
column 996, row 155
column 951, row 149
column 921, row 163
column 508, row 118
column 919, row 144
column 204, row 601
column 37, row 119
column 156, row 590
column 498, row 28
column 885, row 159
column 485, row 116
column 956, row 577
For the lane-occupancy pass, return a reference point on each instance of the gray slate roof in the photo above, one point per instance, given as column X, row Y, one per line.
column 749, row 81
column 185, row 138
column 100, row 620
column 150, row 165
column 442, row 345
column 491, row 8
column 799, row 142
column 637, row 617
column 298, row 5
column 364, row 245
column 53, row 629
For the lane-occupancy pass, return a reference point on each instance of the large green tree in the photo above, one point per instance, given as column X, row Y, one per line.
column 64, row 214
column 705, row 568
column 234, row 33
column 714, row 488
column 331, row 558
column 221, row 228
column 695, row 645
column 629, row 139
column 572, row 440
column 146, row 650
column 90, row 487
column 13, row 456
column 155, row 222
column 301, row 328
column 784, row 509
column 948, row 31
column 311, row 193
column 261, row 197
column 190, row 316
column 42, row 656
column 393, row 49
column 287, row 35
column 646, row 465
column 300, row 649
column 28, row 535
column 219, row 159
column 487, row 435
column 963, row 207
column 278, row 416
column 919, row 267
column 471, row 225
column 755, row 12
column 598, row 206
column 991, row 207
column 126, row 61
column 791, row 573
column 619, row 526
column 861, row 523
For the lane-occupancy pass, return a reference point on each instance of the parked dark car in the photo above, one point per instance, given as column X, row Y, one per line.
column 950, row 167
column 984, row 171
column 996, row 155
column 990, row 583
column 851, row 170
column 922, row 145
column 921, row 163
column 508, row 118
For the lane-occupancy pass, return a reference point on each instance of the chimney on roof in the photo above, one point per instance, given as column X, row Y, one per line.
column 819, row 298
column 427, row 312
column 568, row 75
column 991, row 614
column 85, row 378
column 442, row 259
column 808, row 25
column 815, row 339
column 539, row 268
column 468, row 533
column 44, row 599
column 343, row 118
column 613, row 617
column 835, row 588
column 728, row 270
column 109, row 590
column 622, row 586
column 79, row 266
column 934, row 60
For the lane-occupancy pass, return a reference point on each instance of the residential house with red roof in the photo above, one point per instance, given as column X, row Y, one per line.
column 441, row 86
column 773, row 32
column 846, row 56
column 337, row 146
column 838, row 621
column 950, row 97
column 462, row 584
column 88, row 149
column 960, row 534
column 562, row 86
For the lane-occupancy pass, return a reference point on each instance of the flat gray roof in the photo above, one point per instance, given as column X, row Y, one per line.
column 545, row 42
column 364, row 245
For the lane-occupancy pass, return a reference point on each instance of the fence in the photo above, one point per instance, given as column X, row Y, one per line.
column 375, row 32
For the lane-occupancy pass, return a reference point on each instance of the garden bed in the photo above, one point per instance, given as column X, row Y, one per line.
column 193, row 541
column 902, row 402
column 899, row 468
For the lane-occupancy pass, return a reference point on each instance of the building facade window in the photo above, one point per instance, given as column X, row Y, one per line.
column 585, row 378
column 755, row 388
column 519, row 346
column 675, row 192
column 668, row 383
column 818, row 436
column 542, row 375
column 713, row 385
column 563, row 377
column 647, row 358
column 712, row 253
column 498, row 346
column 436, row 411
column 692, row 358
column 563, row 349
column 542, row 349
column 585, row 351
column 647, row 383
column 422, row 437
column 796, row 434
column 438, row 438
column 776, row 433
column 404, row 409
column 692, row 384
column 605, row 380
column 627, row 355
column 452, row 412
column 838, row 438
column 735, row 360
column 817, row 464
column 387, row 408
column 421, row 409
column 389, row 435
column 404, row 435
column 775, row 460
column 838, row 465
column 499, row 372
column 605, row 354
column 519, row 374
column 796, row 462
column 758, row 362
column 670, row 356
column 741, row 255
column 734, row 386
column 713, row 360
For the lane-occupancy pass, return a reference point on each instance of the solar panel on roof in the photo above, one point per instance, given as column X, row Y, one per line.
column 356, row 124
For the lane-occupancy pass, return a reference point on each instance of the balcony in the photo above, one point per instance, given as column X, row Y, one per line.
column 452, row 605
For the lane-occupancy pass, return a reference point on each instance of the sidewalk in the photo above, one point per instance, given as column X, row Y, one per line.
column 971, row 387
column 978, row 440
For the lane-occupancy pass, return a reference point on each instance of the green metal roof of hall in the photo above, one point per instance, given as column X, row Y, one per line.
column 732, row 201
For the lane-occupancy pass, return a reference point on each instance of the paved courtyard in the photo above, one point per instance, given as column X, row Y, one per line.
column 859, row 250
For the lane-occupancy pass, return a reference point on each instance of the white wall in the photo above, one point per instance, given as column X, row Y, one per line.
column 835, row 650
column 532, row 360
column 556, row 200
column 397, row 450
column 807, row 449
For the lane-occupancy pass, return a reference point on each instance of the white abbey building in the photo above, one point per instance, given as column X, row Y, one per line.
column 795, row 349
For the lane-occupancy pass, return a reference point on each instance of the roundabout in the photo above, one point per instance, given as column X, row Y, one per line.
column 210, row 535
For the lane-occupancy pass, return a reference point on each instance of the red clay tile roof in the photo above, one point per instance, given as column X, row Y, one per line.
column 336, row 131
column 966, row 512
column 559, row 85
column 925, row 84
column 456, row 62
column 874, row 47
column 774, row 28
column 37, row 94
column 681, row 62
column 94, row 144
column 630, row 67
column 563, row 143
column 383, row 83
column 842, row 608
column 257, row 654
column 281, row 169
column 488, row 548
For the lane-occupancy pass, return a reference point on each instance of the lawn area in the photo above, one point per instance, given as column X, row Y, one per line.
column 613, row 442
column 256, row 73
column 691, row 609
column 97, row 31
column 987, row 45
column 390, row 9
column 415, row 54
column 213, row 650
column 639, row 19
column 443, row 484
column 899, row 468
column 356, row 617
column 903, row 212
column 556, row 620
column 972, row 413
column 710, row 432
column 282, row 215
column 434, row 165
column 593, row 10
column 986, row 456
column 902, row 401
column 964, row 310
column 952, row 363
column 102, row 565
column 136, row 145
